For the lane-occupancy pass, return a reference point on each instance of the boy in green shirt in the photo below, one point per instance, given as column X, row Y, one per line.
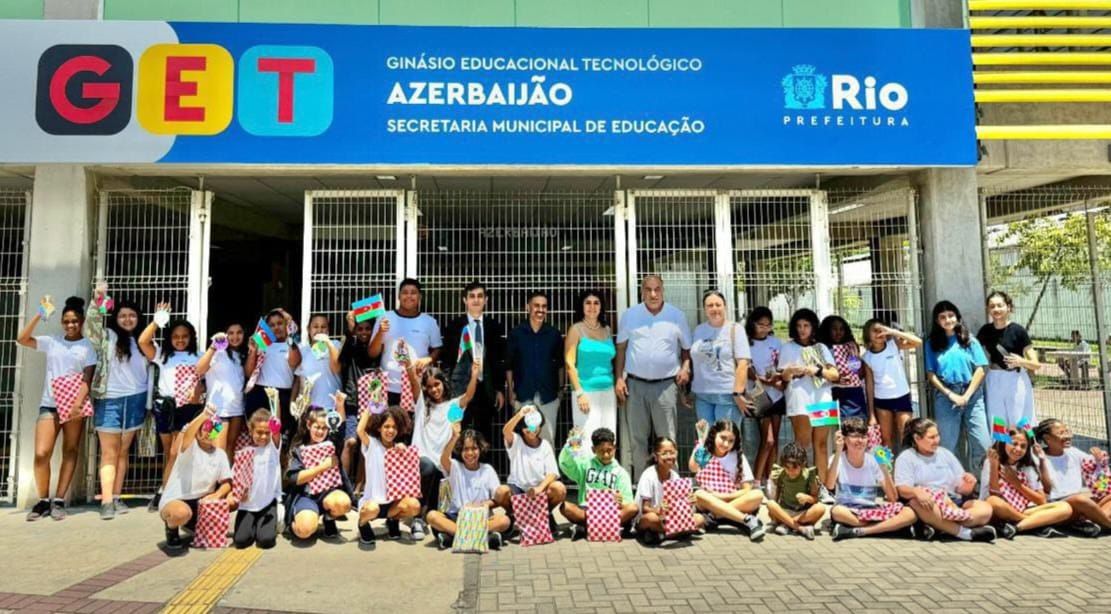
column 597, row 472
column 793, row 494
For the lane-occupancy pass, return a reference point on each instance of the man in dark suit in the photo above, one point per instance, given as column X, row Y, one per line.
column 488, row 345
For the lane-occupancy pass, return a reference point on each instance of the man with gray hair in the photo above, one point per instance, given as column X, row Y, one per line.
column 653, row 361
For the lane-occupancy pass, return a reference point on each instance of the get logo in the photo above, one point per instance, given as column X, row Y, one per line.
column 185, row 89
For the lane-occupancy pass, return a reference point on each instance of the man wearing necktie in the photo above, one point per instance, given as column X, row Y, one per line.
column 487, row 341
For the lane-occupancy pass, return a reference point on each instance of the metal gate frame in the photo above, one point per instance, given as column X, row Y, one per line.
column 8, row 496
column 403, row 240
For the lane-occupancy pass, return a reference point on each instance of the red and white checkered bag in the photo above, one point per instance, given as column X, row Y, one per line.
column 875, row 436
column 368, row 400
column 185, row 382
column 714, row 478
column 312, row 456
column 680, row 511
column 946, row 507
column 408, row 403
column 65, row 389
column 402, row 473
column 254, row 374
column 531, row 517
column 877, row 514
column 244, row 440
column 1012, row 496
column 213, row 520
column 603, row 517
column 1097, row 477
column 243, row 473
column 844, row 358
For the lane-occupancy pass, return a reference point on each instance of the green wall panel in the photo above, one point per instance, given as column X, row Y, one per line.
column 172, row 10
column 716, row 13
column 841, row 13
column 447, row 12
column 583, row 13
column 20, row 9
column 309, row 11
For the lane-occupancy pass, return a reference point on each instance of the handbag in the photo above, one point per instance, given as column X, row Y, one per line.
column 758, row 401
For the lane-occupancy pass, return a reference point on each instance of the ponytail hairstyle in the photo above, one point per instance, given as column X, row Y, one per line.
column 916, row 427
column 659, row 443
column 168, row 335
column 75, row 305
column 1045, row 427
column 124, row 337
column 1007, row 300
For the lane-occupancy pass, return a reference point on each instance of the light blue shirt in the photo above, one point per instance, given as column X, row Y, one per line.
column 955, row 364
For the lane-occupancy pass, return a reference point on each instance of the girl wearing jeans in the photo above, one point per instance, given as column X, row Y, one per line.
column 955, row 364
column 721, row 358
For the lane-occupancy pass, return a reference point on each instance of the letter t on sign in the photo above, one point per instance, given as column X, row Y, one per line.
column 286, row 69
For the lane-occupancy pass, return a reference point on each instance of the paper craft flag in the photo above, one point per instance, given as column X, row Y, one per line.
column 465, row 342
column 1025, row 426
column 824, row 414
column 369, row 308
column 263, row 336
column 883, row 455
column 999, row 430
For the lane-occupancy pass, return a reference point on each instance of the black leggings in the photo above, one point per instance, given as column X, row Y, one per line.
column 260, row 526
column 429, row 484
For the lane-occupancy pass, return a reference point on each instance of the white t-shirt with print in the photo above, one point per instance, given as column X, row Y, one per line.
column 528, row 466
column 166, row 370
column 432, row 433
column 327, row 382
column 275, row 371
column 224, row 382
column 729, row 464
column 714, row 352
column 266, row 485
column 63, row 358
column 196, row 473
column 941, row 470
column 1065, row 473
column 650, row 490
column 765, row 354
column 127, row 376
column 1033, row 480
column 859, row 486
column 471, row 486
column 421, row 333
column 802, row 391
column 889, row 378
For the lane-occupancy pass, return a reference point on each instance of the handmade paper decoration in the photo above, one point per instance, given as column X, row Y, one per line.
column 999, row 430
column 213, row 519
column 401, row 354
column 826, row 413
column 320, row 347
column 533, row 420
column 603, row 517
column 211, row 428
column 402, row 473
column 65, row 389
column 372, row 392
column 714, row 478
column 220, row 342
column 274, row 399
column 368, row 308
column 531, row 517
column 812, row 357
column 471, row 530
column 1097, row 477
column 104, row 304
column 883, row 456
column 313, row 455
column 680, row 512
column 243, row 473
column 1026, row 426
column 161, row 317
column 454, row 413
column 46, row 307
column 185, row 382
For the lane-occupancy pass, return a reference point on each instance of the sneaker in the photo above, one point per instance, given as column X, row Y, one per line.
column 173, row 539
column 443, row 540
column 983, row 534
column 107, row 511
column 755, row 528
column 58, row 509
column 330, row 529
column 922, row 531
column 781, row 529
column 366, row 534
column 825, row 497
column 1007, row 530
column 807, row 532
column 1049, row 532
column 495, row 540
column 553, row 527
column 120, row 506
column 416, row 531
column 649, row 538
column 42, row 508
column 1085, row 528
column 153, row 505
column 711, row 522
column 576, row 531
column 393, row 529
column 840, row 532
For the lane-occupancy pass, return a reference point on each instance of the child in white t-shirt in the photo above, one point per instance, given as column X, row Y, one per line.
column 201, row 473
column 859, row 480
column 652, row 509
column 725, row 491
column 886, row 380
column 256, row 521
column 532, row 462
column 377, row 434
column 1011, row 483
column 473, row 484
column 1065, row 473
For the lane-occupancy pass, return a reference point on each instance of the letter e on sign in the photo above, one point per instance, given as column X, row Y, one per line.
column 84, row 89
column 185, row 89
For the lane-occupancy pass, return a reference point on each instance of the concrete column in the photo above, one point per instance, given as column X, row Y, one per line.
column 951, row 236
column 59, row 260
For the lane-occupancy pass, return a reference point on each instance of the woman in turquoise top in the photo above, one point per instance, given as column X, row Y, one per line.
column 589, row 352
column 955, row 364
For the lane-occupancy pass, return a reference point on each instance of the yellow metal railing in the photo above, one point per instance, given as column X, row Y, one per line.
column 1026, row 58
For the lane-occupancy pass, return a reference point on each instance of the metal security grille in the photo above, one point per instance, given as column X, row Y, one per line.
column 14, row 233
column 354, row 247
column 672, row 234
column 562, row 243
column 152, row 245
column 1050, row 249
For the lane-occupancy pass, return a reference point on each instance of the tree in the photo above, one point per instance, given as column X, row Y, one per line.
column 1056, row 248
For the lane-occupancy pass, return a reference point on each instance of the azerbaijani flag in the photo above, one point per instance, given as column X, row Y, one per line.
column 369, row 308
column 465, row 342
column 999, row 430
column 1025, row 426
column 263, row 336
column 827, row 413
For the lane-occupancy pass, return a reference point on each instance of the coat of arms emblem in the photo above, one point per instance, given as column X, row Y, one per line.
column 804, row 89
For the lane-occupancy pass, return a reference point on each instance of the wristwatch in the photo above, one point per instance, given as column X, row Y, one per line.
column 738, row 394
